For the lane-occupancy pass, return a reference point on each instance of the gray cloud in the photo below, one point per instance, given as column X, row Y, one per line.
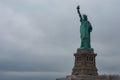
column 42, row 35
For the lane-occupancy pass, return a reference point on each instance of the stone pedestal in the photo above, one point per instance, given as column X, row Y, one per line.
column 84, row 66
column 85, row 63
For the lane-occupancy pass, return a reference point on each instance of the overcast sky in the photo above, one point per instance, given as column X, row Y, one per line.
column 38, row 37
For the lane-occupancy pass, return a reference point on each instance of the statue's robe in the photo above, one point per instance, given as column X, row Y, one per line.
column 85, row 29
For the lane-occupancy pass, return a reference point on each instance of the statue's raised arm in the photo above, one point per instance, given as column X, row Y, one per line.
column 78, row 7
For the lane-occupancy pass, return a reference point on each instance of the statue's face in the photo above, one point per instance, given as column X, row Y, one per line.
column 85, row 17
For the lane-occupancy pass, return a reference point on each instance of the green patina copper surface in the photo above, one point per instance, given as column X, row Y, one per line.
column 85, row 29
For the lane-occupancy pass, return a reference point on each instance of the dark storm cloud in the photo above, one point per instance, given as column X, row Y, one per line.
column 42, row 35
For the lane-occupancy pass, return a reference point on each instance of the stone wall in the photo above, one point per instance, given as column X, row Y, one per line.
column 109, row 77
column 87, row 77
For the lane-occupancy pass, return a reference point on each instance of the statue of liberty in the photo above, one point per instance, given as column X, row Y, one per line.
column 85, row 29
